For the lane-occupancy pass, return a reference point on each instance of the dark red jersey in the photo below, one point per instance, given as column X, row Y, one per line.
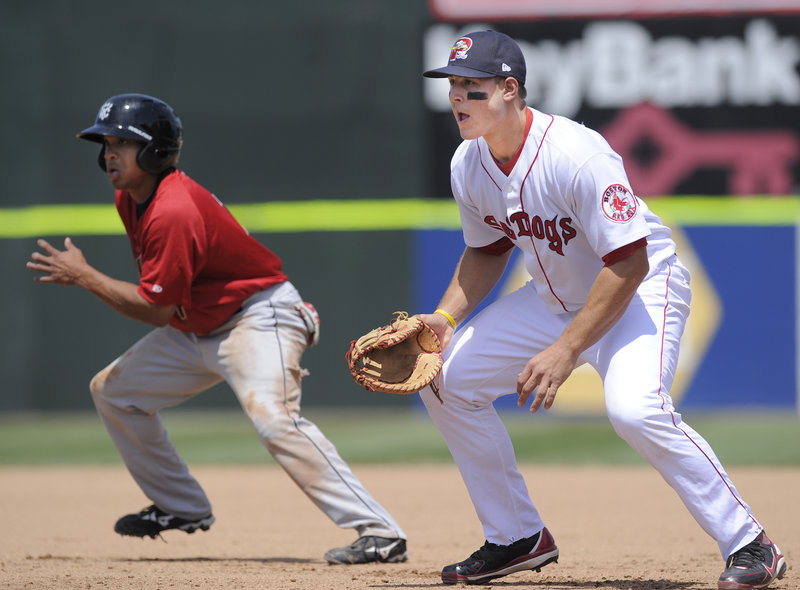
column 191, row 252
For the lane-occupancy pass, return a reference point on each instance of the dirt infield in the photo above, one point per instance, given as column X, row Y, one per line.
column 616, row 528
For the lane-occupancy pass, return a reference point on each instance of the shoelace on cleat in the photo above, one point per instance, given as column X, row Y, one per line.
column 489, row 550
column 750, row 556
column 486, row 551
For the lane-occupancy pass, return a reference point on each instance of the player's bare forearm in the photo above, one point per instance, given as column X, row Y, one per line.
column 608, row 299
column 69, row 267
column 124, row 298
column 475, row 276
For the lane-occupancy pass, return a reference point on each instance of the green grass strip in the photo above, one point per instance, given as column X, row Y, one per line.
column 380, row 215
column 392, row 436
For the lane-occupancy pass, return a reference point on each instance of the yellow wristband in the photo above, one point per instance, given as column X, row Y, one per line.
column 448, row 316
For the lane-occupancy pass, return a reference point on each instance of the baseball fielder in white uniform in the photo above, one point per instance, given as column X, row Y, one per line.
column 607, row 289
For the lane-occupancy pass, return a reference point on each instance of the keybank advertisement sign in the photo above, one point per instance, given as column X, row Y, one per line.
column 461, row 10
column 617, row 64
column 695, row 105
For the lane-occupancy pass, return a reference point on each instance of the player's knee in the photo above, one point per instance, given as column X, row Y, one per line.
column 628, row 419
column 272, row 427
column 98, row 384
column 639, row 425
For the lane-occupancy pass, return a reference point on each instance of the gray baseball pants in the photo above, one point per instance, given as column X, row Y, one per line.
column 257, row 352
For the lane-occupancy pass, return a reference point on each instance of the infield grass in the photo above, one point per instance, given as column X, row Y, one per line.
column 370, row 436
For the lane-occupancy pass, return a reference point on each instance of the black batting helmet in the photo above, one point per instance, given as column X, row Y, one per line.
column 142, row 118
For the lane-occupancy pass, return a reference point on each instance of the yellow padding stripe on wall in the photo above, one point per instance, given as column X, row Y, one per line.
column 356, row 215
column 687, row 211
column 60, row 220
column 380, row 214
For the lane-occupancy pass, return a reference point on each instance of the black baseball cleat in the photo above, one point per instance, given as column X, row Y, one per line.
column 152, row 521
column 495, row 561
column 756, row 565
column 369, row 549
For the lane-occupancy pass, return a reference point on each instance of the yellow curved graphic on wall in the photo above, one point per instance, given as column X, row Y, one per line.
column 582, row 393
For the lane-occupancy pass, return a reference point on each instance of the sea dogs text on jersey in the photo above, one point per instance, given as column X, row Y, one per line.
column 557, row 231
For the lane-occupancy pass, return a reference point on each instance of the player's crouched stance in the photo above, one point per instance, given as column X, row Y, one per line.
column 607, row 289
column 222, row 309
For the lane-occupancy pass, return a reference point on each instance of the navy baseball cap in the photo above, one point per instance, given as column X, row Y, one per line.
column 483, row 54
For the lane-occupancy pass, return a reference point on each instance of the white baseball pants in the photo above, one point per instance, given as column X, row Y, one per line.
column 636, row 360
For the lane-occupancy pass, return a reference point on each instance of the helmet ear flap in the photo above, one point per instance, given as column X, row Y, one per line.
column 101, row 158
column 155, row 159
column 149, row 158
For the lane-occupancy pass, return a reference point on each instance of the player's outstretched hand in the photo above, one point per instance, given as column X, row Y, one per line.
column 61, row 267
column 545, row 373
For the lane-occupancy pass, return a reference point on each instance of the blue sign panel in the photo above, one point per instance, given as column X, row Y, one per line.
column 744, row 275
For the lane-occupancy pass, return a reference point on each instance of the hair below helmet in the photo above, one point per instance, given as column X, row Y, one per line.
column 142, row 118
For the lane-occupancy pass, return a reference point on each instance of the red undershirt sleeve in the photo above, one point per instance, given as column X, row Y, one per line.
column 623, row 252
column 499, row 247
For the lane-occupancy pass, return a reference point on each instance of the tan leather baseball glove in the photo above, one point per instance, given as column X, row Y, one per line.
column 401, row 357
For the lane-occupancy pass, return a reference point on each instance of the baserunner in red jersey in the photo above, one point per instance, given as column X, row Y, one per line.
column 223, row 310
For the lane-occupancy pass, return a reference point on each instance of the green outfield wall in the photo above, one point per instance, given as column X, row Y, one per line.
column 311, row 121
column 358, row 262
